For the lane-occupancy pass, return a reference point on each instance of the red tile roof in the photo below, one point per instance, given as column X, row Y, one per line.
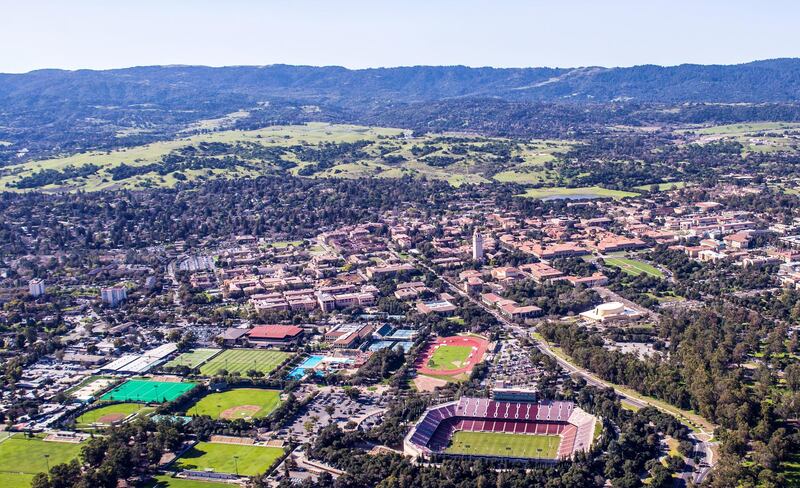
column 274, row 332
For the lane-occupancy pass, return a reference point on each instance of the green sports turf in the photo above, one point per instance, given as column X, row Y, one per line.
column 164, row 481
column 251, row 460
column 148, row 391
column 93, row 416
column 243, row 360
column 500, row 444
column 215, row 403
column 634, row 267
column 194, row 358
column 21, row 458
column 449, row 357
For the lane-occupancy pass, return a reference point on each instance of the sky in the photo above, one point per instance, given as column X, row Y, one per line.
column 101, row 34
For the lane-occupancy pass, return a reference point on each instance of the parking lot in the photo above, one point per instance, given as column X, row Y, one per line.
column 334, row 405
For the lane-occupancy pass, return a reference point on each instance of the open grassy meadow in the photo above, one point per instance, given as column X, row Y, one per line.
column 247, row 460
column 580, row 193
column 449, row 357
column 386, row 153
column 508, row 445
column 238, row 403
column 243, row 360
column 634, row 267
column 21, row 458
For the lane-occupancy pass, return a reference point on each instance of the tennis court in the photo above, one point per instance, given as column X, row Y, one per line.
column 148, row 391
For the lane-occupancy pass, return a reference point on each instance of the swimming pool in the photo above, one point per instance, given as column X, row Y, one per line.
column 309, row 363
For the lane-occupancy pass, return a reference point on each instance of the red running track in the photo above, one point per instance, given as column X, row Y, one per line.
column 476, row 342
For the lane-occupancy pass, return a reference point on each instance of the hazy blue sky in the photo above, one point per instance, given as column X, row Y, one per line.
column 118, row 33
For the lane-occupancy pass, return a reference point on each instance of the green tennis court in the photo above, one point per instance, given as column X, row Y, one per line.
column 148, row 391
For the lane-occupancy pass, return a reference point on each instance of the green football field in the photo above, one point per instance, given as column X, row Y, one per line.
column 243, row 360
column 165, row 481
column 194, row 358
column 508, row 445
column 227, row 458
column 634, row 267
column 21, row 458
column 237, row 403
column 110, row 413
column 148, row 391
column 449, row 357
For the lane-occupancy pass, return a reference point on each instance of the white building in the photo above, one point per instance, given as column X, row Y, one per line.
column 36, row 287
column 113, row 295
column 477, row 246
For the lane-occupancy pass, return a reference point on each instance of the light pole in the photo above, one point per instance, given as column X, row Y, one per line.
column 47, row 461
column 236, row 464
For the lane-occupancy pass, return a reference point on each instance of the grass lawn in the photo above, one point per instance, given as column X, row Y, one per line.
column 251, row 460
column 110, row 413
column 148, row 391
column 580, row 193
column 509, row 445
column 21, row 458
column 673, row 185
column 165, row 481
column 237, row 403
column 449, row 357
column 791, row 470
column 193, row 358
column 243, row 360
column 634, row 267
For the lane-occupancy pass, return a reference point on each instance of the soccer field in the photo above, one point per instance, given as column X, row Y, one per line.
column 166, row 481
column 148, row 391
column 243, row 360
column 251, row 460
column 110, row 413
column 449, row 357
column 21, row 458
column 633, row 267
column 508, row 445
column 238, row 403
column 194, row 358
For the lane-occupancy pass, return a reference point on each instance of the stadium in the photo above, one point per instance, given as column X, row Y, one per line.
column 512, row 424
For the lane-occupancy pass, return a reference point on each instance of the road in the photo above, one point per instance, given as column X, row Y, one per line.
column 702, row 445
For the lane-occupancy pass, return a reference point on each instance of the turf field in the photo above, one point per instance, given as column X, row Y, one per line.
column 21, row 458
column 251, row 460
column 509, row 445
column 449, row 357
column 634, row 267
column 243, row 360
column 194, row 358
column 165, row 481
column 148, row 391
column 109, row 414
column 237, row 403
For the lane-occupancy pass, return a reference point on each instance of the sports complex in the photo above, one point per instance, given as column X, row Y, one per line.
column 452, row 357
column 512, row 425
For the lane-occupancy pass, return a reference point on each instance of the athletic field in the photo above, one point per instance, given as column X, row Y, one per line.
column 219, row 458
column 238, row 403
column 634, row 267
column 243, row 360
column 110, row 414
column 194, row 358
column 449, row 357
column 21, row 458
column 145, row 391
column 166, row 481
column 508, row 445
